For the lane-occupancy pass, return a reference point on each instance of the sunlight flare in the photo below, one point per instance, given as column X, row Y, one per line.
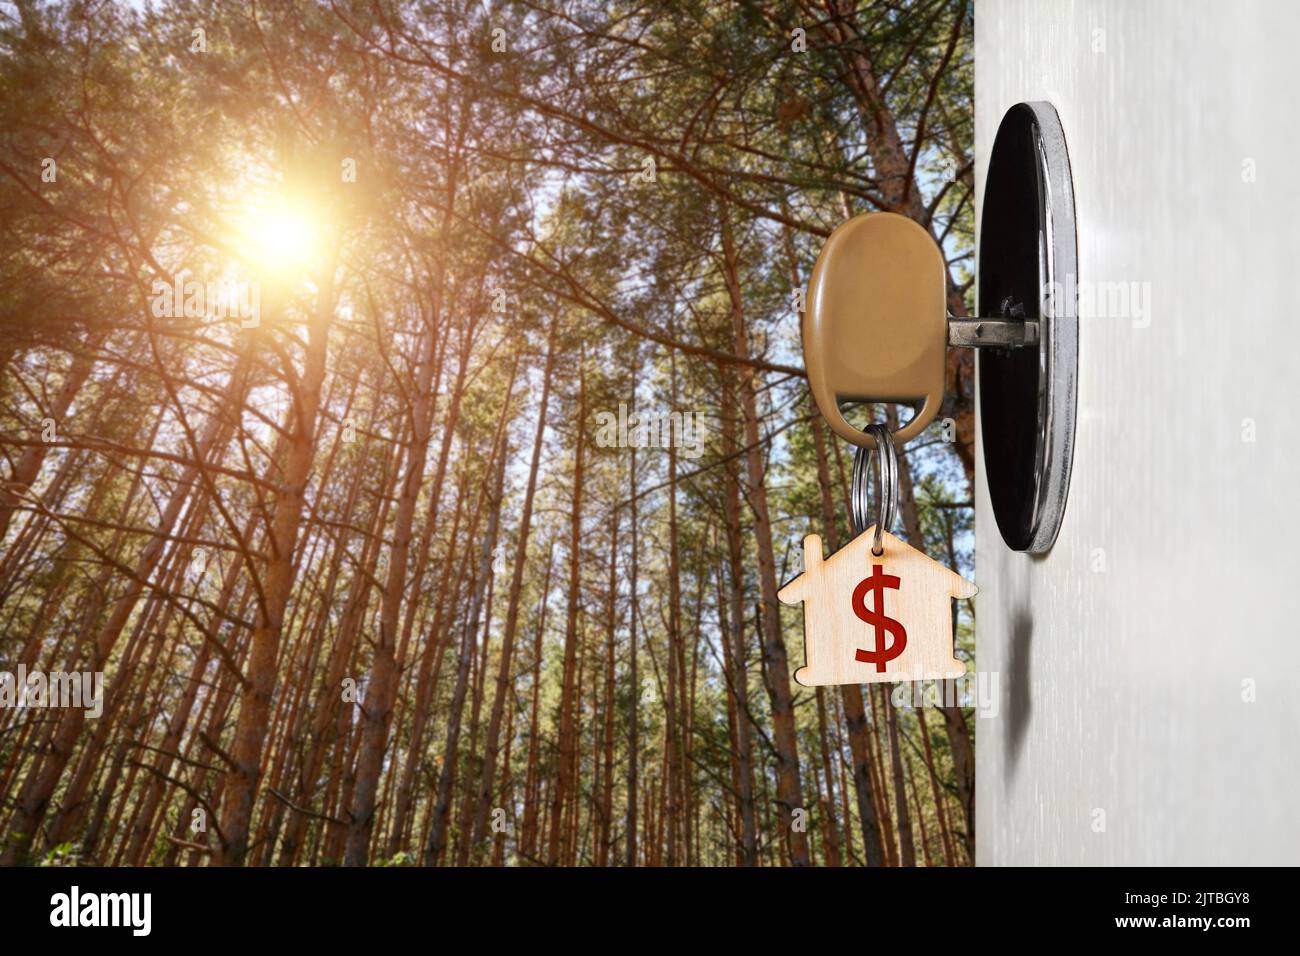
column 281, row 238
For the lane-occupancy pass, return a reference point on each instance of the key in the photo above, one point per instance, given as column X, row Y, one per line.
column 876, row 327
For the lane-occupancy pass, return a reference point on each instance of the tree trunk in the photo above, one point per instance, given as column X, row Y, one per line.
column 954, row 721
column 424, row 683
column 437, row 841
column 255, row 710
column 532, row 799
column 377, row 707
column 503, row 677
column 936, row 794
column 43, row 778
column 895, row 178
column 906, row 848
column 634, row 685
column 29, row 464
column 567, row 762
column 604, row 845
column 777, row 669
column 738, row 679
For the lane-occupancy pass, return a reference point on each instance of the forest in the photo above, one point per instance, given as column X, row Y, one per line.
column 404, row 428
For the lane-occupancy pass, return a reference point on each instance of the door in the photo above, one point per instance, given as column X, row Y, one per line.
column 1146, row 668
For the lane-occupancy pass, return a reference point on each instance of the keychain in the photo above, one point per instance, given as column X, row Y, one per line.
column 877, row 609
column 877, row 330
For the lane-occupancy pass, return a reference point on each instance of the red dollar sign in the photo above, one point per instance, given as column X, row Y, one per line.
column 882, row 654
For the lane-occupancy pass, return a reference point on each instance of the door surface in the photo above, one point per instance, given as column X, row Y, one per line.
column 1147, row 708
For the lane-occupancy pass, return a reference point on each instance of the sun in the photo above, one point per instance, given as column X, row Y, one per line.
column 281, row 238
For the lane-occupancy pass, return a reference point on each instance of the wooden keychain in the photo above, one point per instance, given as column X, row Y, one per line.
column 877, row 610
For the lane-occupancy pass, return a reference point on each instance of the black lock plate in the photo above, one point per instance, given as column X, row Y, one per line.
column 1028, row 269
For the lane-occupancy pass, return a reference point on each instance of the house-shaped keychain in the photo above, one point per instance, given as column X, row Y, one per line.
column 872, row 618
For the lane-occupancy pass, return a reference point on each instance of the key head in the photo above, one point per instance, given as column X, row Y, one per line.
column 876, row 324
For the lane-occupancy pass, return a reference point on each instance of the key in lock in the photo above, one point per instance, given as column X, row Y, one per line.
column 876, row 327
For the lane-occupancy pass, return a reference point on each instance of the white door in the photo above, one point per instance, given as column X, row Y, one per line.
column 1148, row 708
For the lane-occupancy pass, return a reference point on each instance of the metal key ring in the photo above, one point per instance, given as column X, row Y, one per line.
column 887, row 481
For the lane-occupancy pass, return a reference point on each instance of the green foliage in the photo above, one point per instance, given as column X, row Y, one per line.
column 652, row 180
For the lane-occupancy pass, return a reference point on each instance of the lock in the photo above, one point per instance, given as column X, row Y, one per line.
column 876, row 328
